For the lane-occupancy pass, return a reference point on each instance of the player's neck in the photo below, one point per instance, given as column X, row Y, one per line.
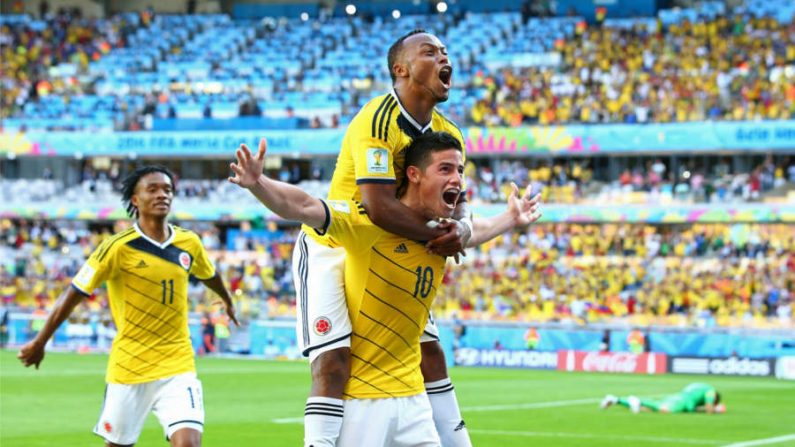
column 416, row 102
column 154, row 228
column 413, row 202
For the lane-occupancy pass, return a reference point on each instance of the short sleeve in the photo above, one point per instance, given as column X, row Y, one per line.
column 372, row 153
column 96, row 269
column 373, row 162
column 350, row 226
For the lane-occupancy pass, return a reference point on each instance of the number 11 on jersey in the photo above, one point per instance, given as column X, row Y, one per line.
column 168, row 290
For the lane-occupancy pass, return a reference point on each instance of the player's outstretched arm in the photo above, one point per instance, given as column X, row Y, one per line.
column 32, row 353
column 522, row 210
column 216, row 284
column 288, row 201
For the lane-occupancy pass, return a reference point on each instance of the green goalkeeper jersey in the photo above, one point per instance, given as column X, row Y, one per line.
column 698, row 394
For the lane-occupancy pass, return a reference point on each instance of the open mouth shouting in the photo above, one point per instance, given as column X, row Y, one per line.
column 446, row 76
column 450, row 197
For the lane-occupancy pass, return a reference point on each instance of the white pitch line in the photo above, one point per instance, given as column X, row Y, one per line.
column 530, row 406
column 288, row 420
column 765, row 441
column 535, row 434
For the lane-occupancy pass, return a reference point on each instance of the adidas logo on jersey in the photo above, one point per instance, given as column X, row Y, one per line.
column 141, row 264
column 461, row 426
column 401, row 248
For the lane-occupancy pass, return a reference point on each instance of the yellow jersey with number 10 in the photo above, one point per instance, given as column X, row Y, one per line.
column 390, row 284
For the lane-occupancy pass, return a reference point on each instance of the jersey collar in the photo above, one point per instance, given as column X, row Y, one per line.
column 408, row 116
column 165, row 244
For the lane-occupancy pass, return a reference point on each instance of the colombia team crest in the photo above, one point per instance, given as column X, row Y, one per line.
column 184, row 260
column 322, row 326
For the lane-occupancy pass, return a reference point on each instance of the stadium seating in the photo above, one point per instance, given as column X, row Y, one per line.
column 509, row 72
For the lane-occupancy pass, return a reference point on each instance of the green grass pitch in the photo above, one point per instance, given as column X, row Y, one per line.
column 260, row 403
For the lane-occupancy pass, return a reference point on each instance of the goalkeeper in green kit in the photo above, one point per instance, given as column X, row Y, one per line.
column 696, row 397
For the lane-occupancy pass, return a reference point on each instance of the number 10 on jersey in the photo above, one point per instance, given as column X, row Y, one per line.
column 424, row 281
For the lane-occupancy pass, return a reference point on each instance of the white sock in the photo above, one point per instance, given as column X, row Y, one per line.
column 446, row 414
column 322, row 421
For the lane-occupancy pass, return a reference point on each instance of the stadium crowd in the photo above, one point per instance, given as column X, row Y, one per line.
column 51, row 56
column 730, row 67
column 560, row 182
column 573, row 182
column 710, row 274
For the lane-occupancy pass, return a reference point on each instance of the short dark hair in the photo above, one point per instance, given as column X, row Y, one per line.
column 419, row 151
column 395, row 49
column 717, row 398
column 130, row 182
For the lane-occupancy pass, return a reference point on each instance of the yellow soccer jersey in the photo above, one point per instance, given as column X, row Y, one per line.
column 390, row 283
column 373, row 149
column 148, row 292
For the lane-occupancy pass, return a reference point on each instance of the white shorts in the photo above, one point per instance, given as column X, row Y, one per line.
column 389, row 422
column 176, row 402
column 322, row 322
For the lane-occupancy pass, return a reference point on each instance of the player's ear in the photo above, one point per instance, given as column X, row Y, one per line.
column 413, row 174
column 400, row 69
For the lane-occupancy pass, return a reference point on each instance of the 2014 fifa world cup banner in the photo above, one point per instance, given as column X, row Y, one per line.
column 625, row 138
column 574, row 139
column 168, row 144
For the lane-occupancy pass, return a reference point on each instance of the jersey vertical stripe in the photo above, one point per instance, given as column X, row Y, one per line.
column 389, row 120
column 381, row 129
column 377, row 114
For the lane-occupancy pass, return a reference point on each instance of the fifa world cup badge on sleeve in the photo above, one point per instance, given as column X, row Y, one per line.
column 340, row 205
column 377, row 161
column 84, row 276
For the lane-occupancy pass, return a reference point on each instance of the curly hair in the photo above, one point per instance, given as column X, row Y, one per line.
column 131, row 182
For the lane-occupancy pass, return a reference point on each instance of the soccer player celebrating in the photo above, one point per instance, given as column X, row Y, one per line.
column 369, row 167
column 695, row 397
column 390, row 283
column 151, row 365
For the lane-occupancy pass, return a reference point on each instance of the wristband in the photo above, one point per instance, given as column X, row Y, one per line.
column 468, row 222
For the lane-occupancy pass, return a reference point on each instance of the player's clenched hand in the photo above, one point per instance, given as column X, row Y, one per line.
column 248, row 168
column 525, row 208
column 31, row 354
column 450, row 243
